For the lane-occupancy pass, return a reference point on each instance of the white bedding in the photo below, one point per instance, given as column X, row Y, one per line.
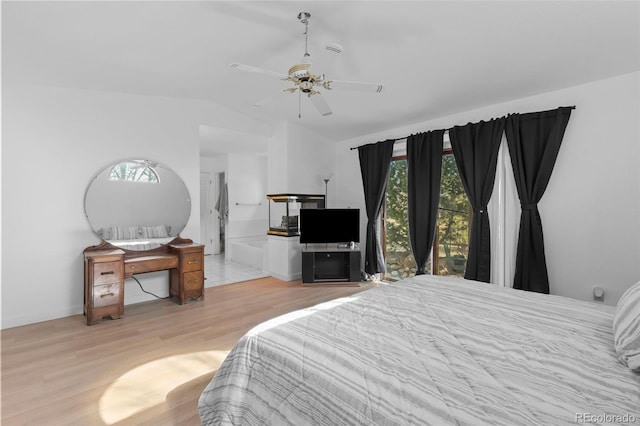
column 142, row 243
column 428, row 350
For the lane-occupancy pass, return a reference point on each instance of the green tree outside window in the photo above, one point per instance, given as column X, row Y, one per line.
column 452, row 238
column 134, row 171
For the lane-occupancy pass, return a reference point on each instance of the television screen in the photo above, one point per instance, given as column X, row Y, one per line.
column 329, row 225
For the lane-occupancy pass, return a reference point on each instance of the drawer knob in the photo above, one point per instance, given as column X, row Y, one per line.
column 192, row 262
column 107, row 273
column 102, row 296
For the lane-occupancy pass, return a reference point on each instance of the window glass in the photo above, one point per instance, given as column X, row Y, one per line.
column 453, row 222
column 397, row 245
column 134, row 171
column 449, row 254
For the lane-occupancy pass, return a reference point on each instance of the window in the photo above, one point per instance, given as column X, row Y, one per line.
column 452, row 236
column 134, row 171
column 449, row 253
column 396, row 243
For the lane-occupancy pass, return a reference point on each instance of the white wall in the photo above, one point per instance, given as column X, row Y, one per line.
column 277, row 161
column 54, row 141
column 299, row 160
column 591, row 209
column 248, row 208
column 311, row 160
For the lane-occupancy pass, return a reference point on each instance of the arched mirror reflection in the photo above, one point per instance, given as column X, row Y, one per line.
column 137, row 204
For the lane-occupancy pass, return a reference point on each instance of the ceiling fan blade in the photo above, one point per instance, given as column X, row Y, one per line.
column 334, row 47
column 261, row 103
column 267, row 101
column 355, row 85
column 321, row 104
column 249, row 68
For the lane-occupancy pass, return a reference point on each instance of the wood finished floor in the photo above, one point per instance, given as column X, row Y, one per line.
column 147, row 368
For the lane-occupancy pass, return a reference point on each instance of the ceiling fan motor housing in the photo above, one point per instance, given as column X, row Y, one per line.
column 299, row 71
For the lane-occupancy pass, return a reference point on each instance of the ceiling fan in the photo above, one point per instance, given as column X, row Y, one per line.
column 305, row 82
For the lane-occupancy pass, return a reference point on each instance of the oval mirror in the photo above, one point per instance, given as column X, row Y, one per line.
column 137, row 204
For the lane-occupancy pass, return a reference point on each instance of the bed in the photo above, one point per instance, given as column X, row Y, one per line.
column 142, row 244
column 428, row 351
column 137, row 238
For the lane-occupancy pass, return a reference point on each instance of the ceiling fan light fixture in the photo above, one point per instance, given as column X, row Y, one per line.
column 306, row 86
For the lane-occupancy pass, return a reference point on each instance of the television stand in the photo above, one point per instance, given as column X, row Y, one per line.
column 330, row 265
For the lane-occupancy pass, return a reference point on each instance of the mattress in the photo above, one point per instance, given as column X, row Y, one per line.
column 428, row 351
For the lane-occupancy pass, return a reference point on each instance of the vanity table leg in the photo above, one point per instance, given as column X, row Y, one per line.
column 176, row 290
column 186, row 282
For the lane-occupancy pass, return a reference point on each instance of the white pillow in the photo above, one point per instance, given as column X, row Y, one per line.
column 120, row 232
column 159, row 231
column 626, row 328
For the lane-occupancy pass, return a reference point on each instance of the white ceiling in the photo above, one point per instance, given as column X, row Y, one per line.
column 434, row 58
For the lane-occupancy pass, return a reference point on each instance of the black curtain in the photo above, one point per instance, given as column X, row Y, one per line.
column 424, row 165
column 534, row 142
column 475, row 149
column 375, row 160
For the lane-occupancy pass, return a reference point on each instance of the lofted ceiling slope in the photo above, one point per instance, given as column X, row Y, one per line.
column 434, row 57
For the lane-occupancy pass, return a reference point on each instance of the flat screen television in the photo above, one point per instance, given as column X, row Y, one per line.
column 329, row 226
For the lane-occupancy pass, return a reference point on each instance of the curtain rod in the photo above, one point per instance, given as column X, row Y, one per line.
column 399, row 139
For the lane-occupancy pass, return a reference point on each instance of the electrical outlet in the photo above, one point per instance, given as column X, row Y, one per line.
column 598, row 294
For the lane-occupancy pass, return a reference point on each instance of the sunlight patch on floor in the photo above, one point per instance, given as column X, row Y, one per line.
column 149, row 384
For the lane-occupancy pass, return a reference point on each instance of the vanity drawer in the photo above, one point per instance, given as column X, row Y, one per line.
column 192, row 262
column 107, row 272
column 139, row 265
column 106, row 295
column 193, row 280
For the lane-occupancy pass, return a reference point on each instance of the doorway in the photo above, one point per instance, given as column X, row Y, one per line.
column 206, row 212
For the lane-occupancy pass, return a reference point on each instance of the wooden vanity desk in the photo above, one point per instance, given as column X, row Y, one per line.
column 106, row 266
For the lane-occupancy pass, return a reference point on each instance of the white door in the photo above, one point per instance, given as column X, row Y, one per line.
column 206, row 212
